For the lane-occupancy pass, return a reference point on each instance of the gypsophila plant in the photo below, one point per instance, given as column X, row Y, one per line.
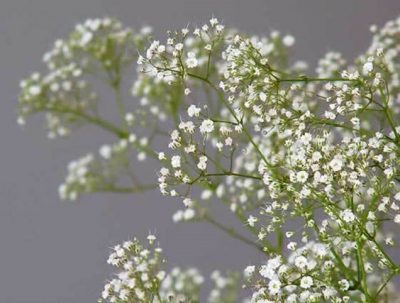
column 308, row 162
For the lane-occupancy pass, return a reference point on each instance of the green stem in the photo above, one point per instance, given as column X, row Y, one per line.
column 232, row 232
column 104, row 124
column 232, row 112
column 120, row 103
column 310, row 79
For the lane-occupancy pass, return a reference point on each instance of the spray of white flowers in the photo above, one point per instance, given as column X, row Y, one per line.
column 308, row 162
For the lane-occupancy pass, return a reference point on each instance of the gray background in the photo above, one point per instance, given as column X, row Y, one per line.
column 52, row 251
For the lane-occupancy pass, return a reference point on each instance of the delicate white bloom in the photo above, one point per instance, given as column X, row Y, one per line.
column 249, row 270
column 207, row 126
column 161, row 156
column 188, row 202
column 263, row 97
column 214, row 21
column 202, row 165
column 252, row 221
column 35, row 90
column 336, row 164
column 105, row 151
column 191, row 61
column 188, row 214
column 193, row 111
column 179, row 46
column 176, row 161
column 368, row 67
column 274, row 286
column 344, row 284
column 302, row 176
column 288, row 40
column 306, row 282
column 301, row 262
column 347, row 215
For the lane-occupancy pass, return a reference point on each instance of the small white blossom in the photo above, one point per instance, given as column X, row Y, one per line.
column 207, row 126
column 193, row 111
column 176, row 161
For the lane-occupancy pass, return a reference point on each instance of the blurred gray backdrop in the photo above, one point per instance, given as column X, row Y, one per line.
column 53, row 251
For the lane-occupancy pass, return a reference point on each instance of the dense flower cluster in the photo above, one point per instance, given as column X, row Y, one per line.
column 106, row 171
column 182, row 285
column 308, row 164
column 100, row 48
column 140, row 273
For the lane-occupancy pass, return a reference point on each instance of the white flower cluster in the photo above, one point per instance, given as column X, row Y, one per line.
column 56, row 94
column 99, row 46
column 141, row 278
column 330, row 65
column 140, row 274
column 383, row 57
column 182, row 285
column 308, row 164
column 226, row 288
column 302, row 278
column 104, row 172
column 184, row 52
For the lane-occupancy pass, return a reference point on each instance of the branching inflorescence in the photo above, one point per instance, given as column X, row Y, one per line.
column 307, row 163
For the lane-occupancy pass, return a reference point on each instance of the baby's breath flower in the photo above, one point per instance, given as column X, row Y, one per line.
column 308, row 164
column 207, row 126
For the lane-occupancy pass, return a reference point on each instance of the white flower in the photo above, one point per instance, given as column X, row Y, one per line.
column 105, row 151
column 188, row 202
column 306, row 282
column 252, row 220
column 263, row 97
column 288, row 40
column 187, row 126
column 207, row 126
column 129, row 118
column 86, row 38
column 301, row 262
column 176, row 161
column 274, row 263
column 213, row 21
column 302, row 176
column 140, row 60
column 336, row 164
column 191, row 61
column 344, row 284
column 330, row 115
column 177, row 216
column 274, row 286
column 35, row 90
column 267, row 272
column 347, row 215
column 179, row 46
column 368, row 67
column 193, row 111
column 202, row 165
column 188, row 214
column 151, row 238
column 397, row 219
column 249, row 270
